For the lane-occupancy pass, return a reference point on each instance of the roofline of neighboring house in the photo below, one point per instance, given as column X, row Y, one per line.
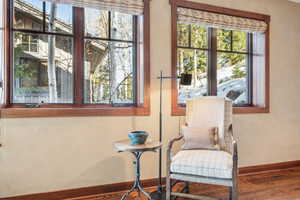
column 35, row 12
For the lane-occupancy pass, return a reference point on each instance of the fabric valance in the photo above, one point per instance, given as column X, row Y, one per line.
column 134, row 7
column 221, row 21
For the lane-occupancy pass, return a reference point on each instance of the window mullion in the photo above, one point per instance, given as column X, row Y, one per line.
column 250, row 67
column 212, row 62
column 231, row 41
column 190, row 35
column 9, row 52
column 136, row 61
column 78, row 59
column 44, row 16
column 109, row 25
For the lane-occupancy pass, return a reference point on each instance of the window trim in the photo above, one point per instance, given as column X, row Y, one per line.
column 3, row 29
column 179, row 109
column 9, row 110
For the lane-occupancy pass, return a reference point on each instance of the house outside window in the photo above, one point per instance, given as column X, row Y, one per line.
column 43, row 42
column 73, row 56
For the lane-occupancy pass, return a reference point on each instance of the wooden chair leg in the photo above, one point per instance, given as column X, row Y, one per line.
column 168, row 188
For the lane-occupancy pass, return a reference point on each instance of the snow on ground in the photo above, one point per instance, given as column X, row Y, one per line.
column 225, row 89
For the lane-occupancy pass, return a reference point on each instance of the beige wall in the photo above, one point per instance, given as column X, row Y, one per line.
column 41, row 155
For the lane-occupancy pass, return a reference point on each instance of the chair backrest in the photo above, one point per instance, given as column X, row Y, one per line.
column 208, row 112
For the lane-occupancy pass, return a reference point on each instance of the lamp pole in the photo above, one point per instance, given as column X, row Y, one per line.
column 160, row 189
column 160, row 193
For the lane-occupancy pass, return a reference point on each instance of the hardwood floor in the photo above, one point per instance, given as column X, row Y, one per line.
column 276, row 185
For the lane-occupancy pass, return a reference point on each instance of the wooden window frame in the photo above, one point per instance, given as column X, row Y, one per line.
column 179, row 109
column 2, row 82
column 78, row 108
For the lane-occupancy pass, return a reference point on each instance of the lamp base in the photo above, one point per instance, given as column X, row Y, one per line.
column 159, row 194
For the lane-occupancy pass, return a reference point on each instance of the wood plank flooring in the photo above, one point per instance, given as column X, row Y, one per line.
column 275, row 185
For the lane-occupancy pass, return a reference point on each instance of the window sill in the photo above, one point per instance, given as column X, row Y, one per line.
column 180, row 110
column 72, row 112
column 251, row 110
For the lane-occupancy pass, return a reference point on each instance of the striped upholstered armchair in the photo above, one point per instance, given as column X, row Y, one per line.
column 218, row 167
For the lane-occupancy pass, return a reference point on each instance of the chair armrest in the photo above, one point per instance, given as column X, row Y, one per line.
column 233, row 143
column 171, row 142
column 169, row 152
column 170, row 145
column 234, row 152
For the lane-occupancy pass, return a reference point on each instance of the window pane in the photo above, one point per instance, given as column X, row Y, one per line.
column 239, row 41
column 199, row 36
column 108, row 74
column 28, row 14
column 121, row 26
column 96, row 23
column 224, row 40
column 232, row 77
column 59, row 18
column 53, row 60
column 193, row 62
column 182, row 35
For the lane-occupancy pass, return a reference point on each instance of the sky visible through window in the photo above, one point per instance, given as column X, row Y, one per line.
column 63, row 10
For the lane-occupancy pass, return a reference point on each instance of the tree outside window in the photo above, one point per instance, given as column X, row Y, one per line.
column 43, row 61
column 230, row 60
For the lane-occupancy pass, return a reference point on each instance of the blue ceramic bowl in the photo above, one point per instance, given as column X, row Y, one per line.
column 138, row 137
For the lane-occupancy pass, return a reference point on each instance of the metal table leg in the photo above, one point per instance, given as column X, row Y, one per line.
column 137, row 183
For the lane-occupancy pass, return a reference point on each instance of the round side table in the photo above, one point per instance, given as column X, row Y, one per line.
column 137, row 151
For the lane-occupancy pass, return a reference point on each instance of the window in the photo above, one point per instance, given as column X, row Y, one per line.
column 193, row 53
column 110, row 57
column 29, row 43
column 223, row 62
column 89, row 61
column 42, row 53
column 233, row 62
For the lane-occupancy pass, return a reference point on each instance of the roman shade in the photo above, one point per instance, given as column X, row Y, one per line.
column 134, row 7
column 215, row 20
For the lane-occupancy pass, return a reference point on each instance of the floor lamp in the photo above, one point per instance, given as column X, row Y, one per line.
column 185, row 79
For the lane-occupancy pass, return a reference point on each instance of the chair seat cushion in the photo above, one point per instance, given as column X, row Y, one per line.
column 207, row 163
